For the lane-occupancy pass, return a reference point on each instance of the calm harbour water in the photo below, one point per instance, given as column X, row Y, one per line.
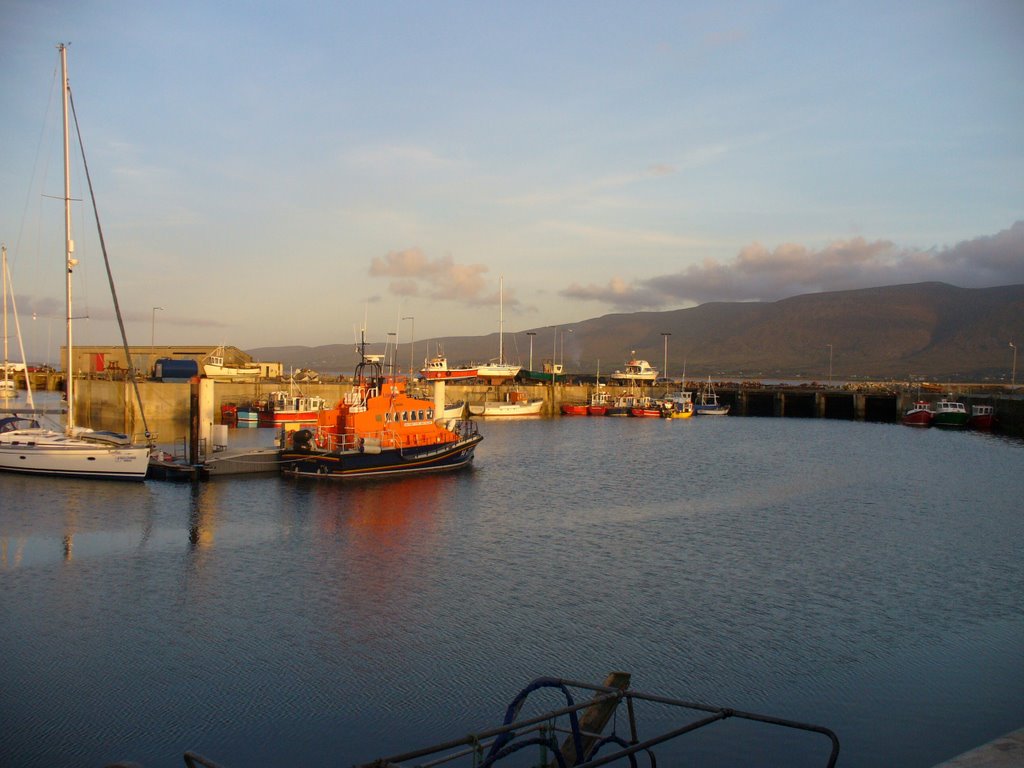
column 863, row 577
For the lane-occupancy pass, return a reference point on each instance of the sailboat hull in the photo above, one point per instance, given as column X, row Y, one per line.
column 53, row 453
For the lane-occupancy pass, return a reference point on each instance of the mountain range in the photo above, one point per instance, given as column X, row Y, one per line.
column 918, row 331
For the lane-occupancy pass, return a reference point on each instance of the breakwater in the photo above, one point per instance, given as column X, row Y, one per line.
column 109, row 404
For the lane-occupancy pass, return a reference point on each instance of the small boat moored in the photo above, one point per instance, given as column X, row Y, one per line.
column 983, row 417
column 515, row 403
column 950, row 414
column 919, row 415
column 708, row 404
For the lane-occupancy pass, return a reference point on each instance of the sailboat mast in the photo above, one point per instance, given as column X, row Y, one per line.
column 5, row 310
column 69, row 244
column 501, row 320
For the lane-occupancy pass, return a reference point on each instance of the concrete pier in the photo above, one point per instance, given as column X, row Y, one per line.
column 1005, row 752
column 107, row 404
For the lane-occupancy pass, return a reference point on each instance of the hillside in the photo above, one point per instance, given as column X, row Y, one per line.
column 930, row 330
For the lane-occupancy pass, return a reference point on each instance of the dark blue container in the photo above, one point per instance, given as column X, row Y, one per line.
column 168, row 369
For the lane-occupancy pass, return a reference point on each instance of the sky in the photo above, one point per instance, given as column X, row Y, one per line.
column 270, row 175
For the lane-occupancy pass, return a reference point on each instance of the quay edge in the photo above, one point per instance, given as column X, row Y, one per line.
column 1005, row 752
column 108, row 404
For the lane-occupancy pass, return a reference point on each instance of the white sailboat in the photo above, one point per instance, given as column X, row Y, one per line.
column 27, row 447
column 497, row 372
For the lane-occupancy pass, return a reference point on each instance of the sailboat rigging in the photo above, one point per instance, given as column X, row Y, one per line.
column 497, row 372
column 7, row 388
column 27, row 447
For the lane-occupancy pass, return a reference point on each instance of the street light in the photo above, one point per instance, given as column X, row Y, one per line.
column 829, row 364
column 1013, row 371
column 412, row 343
column 152, row 330
column 531, row 334
column 665, row 335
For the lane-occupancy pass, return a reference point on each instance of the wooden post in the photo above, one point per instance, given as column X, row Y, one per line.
column 594, row 719
column 193, row 421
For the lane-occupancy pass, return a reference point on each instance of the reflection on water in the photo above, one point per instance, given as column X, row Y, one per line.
column 860, row 576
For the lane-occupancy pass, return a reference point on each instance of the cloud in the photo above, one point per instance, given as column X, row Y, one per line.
column 618, row 293
column 763, row 274
column 412, row 273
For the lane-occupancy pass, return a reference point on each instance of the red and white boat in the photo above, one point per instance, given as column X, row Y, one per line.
column 437, row 369
column 920, row 415
column 286, row 408
column 646, row 407
column 574, row 409
column 982, row 417
column 598, row 405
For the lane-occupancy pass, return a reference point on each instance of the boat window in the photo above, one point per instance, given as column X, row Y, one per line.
column 421, row 415
column 430, row 414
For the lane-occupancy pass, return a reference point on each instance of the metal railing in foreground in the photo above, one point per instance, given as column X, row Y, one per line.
column 580, row 724
column 583, row 745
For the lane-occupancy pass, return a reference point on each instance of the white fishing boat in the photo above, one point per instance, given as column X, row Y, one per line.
column 27, row 447
column 708, row 403
column 499, row 370
column 214, row 367
column 515, row 403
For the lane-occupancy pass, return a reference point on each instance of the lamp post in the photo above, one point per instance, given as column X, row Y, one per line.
column 152, row 329
column 829, row 364
column 531, row 334
column 412, row 342
column 665, row 335
column 1013, row 371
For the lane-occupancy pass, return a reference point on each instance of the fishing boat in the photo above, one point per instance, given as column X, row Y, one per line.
column 645, row 407
column 515, row 403
column 573, row 409
column 950, row 414
column 28, row 447
column 287, row 407
column 498, row 371
column 919, row 415
column 454, row 410
column 550, row 370
column 379, row 430
column 708, row 403
column 982, row 418
column 636, row 372
column 598, row 405
column 679, row 405
column 247, row 416
column 437, row 368
column 215, row 367
column 620, row 406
